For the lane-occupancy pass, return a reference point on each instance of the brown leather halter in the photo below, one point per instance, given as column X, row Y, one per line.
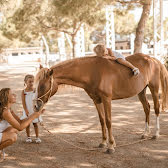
column 48, row 92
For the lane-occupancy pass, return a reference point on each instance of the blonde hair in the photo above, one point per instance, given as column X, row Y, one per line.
column 4, row 93
column 100, row 50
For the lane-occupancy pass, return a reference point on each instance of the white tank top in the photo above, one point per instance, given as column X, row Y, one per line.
column 3, row 125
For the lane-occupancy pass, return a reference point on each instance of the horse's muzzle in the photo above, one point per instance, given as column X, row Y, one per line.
column 38, row 105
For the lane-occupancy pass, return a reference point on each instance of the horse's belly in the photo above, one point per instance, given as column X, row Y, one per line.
column 128, row 87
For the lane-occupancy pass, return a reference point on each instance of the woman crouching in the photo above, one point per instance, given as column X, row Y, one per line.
column 10, row 123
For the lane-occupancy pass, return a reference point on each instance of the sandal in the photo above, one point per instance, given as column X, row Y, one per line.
column 37, row 140
column 28, row 140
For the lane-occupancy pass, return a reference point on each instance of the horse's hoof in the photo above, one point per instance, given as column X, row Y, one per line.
column 144, row 136
column 110, row 151
column 155, row 137
column 102, row 145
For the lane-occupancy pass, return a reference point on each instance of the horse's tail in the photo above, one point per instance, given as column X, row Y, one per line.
column 164, row 86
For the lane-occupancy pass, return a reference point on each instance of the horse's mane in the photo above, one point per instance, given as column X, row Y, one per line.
column 69, row 62
column 40, row 75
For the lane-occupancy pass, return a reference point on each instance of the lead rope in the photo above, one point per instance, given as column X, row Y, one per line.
column 85, row 149
column 50, row 90
column 93, row 149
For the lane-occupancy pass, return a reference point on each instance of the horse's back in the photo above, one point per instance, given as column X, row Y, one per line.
column 104, row 76
column 121, row 80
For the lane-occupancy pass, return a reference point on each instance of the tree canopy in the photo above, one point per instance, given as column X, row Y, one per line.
column 27, row 20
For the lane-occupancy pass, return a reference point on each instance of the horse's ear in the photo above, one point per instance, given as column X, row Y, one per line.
column 51, row 72
column 41, row 66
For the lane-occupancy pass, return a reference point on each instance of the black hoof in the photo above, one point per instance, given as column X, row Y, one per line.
column 144, row 136
column 110, row 151
column 155, row 137
column 102, row 145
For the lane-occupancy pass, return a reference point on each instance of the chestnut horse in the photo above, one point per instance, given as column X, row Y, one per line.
column 105, row 80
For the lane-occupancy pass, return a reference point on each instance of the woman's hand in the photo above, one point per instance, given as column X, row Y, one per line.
column 41, row 111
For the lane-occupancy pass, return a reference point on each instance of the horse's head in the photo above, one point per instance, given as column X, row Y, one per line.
column 44, row 87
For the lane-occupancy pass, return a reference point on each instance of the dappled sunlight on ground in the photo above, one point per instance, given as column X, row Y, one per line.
column 75, row 132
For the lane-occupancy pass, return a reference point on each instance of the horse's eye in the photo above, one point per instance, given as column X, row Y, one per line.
column 42, row 87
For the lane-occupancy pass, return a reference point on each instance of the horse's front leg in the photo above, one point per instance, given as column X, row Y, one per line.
column 100, row 109
column 107, row 108
column 146, row 107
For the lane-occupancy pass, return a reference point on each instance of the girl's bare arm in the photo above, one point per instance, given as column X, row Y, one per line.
column 24, row 103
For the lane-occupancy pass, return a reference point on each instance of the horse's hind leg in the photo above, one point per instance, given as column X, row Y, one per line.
column 146, row 107
column 155, row 95
column 100, row 109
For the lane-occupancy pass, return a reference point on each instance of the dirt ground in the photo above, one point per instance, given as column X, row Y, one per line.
column 75, row 132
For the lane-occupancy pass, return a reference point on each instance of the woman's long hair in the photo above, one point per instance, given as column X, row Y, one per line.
column 4, row 93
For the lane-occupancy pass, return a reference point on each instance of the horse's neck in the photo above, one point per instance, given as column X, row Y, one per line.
column 69, row 82
column 69, row 74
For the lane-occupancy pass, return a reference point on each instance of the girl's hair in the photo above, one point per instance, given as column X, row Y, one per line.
column 4, row 93
column 27, row 77
column 100, row 50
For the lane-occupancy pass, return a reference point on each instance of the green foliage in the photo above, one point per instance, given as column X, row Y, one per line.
column 34, row 18
column 125, row 24
column 22, row 24
column 76, row 11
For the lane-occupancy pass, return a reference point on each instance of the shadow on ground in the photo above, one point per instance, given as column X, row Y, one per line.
column 75, row 134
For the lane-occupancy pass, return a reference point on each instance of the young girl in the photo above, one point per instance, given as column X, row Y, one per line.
column 102, row 51
column 28, row 94
column 10, row 123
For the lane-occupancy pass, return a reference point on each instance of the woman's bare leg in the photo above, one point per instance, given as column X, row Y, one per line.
column 9, row 137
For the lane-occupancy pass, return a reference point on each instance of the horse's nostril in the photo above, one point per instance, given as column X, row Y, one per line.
column 38, row 105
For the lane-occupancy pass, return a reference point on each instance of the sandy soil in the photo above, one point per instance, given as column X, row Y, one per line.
column 75, row 132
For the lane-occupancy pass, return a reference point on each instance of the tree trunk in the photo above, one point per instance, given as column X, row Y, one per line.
column 141, row 26
column 47, row 53
column 75, row 38
column 73, row 46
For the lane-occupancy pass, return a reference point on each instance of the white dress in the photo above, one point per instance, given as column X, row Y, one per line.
column 29, row 96
column 118, row 55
